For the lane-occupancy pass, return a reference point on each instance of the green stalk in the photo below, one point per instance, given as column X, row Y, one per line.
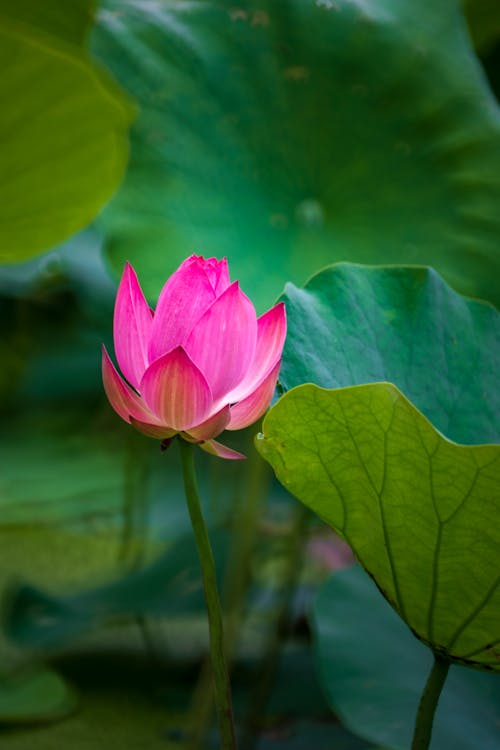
column 244, row 531
column 220, row 675
column 428, row 703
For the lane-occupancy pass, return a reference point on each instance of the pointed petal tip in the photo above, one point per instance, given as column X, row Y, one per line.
column 132, row 321
column 106, row 361
column 124, row 400
column 280, row 306
column 222, row 451
column 128, row 270
column 116, row 389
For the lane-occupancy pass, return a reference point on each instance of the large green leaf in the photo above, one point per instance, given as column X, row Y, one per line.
column 419, row 511
column 63, row 136
column 373, row 672
column 356, row 324
column 293, row 134
column 35, row 697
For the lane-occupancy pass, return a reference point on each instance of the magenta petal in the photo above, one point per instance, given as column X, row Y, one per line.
column 222, row 343
column 217, row 449
column 271, row 334
column 218, row 274
column 131, row 327
column 249, row 410
column 176, row 391
column 159, row 432
column 122, row 398
column 212, row 426
column 183, row 300
column 222, row 280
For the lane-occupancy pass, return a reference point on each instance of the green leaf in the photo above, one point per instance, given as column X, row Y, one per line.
column 76, row 469
column 373, row 672
column 418, row 511
column 133, row 699
column 85, row 499
column 355, row 324
column 125, row 704
column 269, row 135
column 64, row 127
column 483, row 17
column 67, row 25
column 55, row 311
column 36, row 697
column 171, row 585
column 66, row 480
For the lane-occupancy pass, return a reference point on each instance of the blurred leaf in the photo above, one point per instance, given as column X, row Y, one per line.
column 64, row 24
column 125, row 704
column 67, row 478
column 84, row 500
column 76, row 265
column 483, row 17
column 354, row 324
column 37, row 697
column 142, row 700
column 170, row 585
column 304, row 735
column 418, row 511
column 76, row 468
column 298, row 716
column 269, row 135
column 373, row 672
column 56, row 311
column 64, row 126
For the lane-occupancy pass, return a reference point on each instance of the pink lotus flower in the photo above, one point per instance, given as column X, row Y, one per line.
column 200, row 363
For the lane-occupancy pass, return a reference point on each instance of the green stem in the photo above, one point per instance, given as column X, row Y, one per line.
column 428, row 703
column 244, row 531
column 222, row 689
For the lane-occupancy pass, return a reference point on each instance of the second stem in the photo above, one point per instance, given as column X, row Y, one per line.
column 428, row 703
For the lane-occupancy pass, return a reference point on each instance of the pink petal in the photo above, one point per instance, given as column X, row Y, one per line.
column 160, row 432
column 176, row 391
column 122, row 398
column 131, row 327
column 212, row 426
column 249, row 410
column 271, row 334
column 222, row 343
column 183, row 300
column 218, row 274
column 217, row 449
